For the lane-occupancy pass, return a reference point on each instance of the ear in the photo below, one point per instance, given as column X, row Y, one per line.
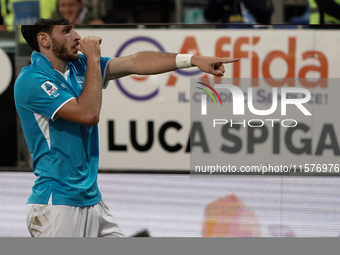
column 44, row 40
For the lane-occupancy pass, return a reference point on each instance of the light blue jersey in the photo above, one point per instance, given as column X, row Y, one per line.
column 65, row 154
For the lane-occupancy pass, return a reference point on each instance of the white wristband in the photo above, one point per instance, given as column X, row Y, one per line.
column 183, row 60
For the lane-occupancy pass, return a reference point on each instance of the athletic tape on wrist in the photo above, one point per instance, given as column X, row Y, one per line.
column 183, row 60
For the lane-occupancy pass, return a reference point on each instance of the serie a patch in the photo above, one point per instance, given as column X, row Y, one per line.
column 49, row 88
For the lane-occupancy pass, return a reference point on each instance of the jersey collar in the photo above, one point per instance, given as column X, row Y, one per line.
column 41, row 61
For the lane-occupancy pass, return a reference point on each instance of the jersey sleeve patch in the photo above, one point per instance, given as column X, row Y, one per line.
column 50, row 89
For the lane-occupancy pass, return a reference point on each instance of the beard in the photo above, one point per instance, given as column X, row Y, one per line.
column 61, row 52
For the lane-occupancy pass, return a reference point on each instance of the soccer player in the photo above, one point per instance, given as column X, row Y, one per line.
column 58, row 98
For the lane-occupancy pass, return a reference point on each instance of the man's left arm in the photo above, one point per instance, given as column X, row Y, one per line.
column 146, row 63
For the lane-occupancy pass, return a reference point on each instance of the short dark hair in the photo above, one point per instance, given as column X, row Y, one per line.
column 30, row 32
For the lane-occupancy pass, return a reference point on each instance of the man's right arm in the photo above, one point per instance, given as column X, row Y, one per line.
column 85, row 110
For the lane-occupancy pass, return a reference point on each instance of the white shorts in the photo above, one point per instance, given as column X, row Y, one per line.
column 71, row 221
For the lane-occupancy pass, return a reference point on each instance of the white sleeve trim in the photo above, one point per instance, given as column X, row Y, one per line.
column 106, row 83
column 55, row 112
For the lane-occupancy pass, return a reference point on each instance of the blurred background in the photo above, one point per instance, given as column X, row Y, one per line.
column 144, row 171
column 166, row 11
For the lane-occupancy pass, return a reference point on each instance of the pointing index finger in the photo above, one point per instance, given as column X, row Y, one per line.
column 229, row 60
